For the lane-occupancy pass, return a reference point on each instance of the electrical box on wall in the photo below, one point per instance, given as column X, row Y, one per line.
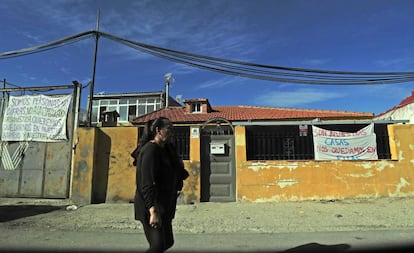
column 217, row 148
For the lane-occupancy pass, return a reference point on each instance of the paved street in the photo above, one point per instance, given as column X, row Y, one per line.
column 370, row 225
column 32, row 240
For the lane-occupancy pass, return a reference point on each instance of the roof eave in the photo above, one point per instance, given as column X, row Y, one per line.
column 315, row 122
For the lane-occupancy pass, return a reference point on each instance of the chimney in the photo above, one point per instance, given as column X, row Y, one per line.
column 168, row 78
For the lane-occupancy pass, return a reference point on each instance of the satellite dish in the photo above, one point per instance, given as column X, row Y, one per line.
column 179, row 98
column 168, row 77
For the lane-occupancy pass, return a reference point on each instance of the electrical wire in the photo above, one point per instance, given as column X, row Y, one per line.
column 319, row 77
column 265, row 66
column 47, row 46
column 232, row 67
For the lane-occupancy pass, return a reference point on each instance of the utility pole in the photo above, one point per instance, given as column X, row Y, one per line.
column 4, row 85
column 91, row 89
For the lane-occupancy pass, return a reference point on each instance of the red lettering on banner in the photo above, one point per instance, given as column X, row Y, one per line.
column 322, row 149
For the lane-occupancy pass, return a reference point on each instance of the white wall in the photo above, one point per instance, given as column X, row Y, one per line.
column 403, row 113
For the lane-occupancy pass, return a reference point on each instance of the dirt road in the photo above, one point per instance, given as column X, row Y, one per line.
column 306, row 216
column 324, row 226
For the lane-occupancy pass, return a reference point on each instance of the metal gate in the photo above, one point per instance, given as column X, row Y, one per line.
column 38, row 169
column 218, row 176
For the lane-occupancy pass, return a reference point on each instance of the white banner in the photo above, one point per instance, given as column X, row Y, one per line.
column 337, row 145
column 36, row 118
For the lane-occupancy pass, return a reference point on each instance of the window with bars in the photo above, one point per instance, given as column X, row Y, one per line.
column 181, row 140
column 293, row 142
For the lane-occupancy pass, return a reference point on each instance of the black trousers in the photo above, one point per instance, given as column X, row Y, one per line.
column 161, row 238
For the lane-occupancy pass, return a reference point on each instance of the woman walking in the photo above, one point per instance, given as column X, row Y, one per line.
column 159, row 180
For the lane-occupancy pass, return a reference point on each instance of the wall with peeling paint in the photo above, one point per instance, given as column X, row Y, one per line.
column 103, row 171
column 102, row 168
column 82, row 163
column 262, row 181
column 114, row 163
column 191, row 189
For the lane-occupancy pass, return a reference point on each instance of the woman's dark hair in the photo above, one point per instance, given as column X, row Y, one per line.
column 151, row 127
column 150, row 132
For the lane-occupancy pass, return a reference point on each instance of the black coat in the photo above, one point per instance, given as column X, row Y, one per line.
column 159, row 175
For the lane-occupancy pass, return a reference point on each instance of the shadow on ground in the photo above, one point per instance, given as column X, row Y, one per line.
column 14, row 212
column 320, row 248
column 299, row 250
column 346, row 248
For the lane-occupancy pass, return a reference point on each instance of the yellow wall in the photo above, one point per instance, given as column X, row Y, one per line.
column 114, row 153
column 83, row 161
column 103, row 171
column 191, row 189
column 262, row 181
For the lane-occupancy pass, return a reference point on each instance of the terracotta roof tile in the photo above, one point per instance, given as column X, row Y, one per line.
column 177, row 114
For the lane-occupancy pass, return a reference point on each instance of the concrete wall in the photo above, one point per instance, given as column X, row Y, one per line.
column 82, row 164
column 191, row 189
column 403, row 113
column 262, row 181
column 113, row 159
column 103, row 171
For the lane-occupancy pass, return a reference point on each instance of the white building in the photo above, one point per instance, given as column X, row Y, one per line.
column 403, row 111
column 128, row 105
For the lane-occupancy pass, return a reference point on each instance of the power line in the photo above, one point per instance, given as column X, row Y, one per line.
column 47, row 46
column 237, row 68
column 259, row 71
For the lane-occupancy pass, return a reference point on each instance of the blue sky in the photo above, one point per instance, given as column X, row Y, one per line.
column 346, row 35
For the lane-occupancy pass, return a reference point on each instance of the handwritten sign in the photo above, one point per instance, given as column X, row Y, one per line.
column 337, row 145
column 36, row 118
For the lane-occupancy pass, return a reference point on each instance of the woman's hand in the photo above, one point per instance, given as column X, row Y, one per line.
column 154, row 219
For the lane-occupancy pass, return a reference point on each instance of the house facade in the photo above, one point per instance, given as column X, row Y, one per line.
column 232, row 153
column 248, row 153
column 127, row 105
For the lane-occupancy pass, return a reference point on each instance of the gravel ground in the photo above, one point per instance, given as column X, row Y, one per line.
column 301, row 216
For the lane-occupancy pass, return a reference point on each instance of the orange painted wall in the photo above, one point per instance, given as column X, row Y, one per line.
column 102, row 166
column 114, row 155
column 191, row 189
column 83, row 162
column 103, row 171
column 261, row 181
